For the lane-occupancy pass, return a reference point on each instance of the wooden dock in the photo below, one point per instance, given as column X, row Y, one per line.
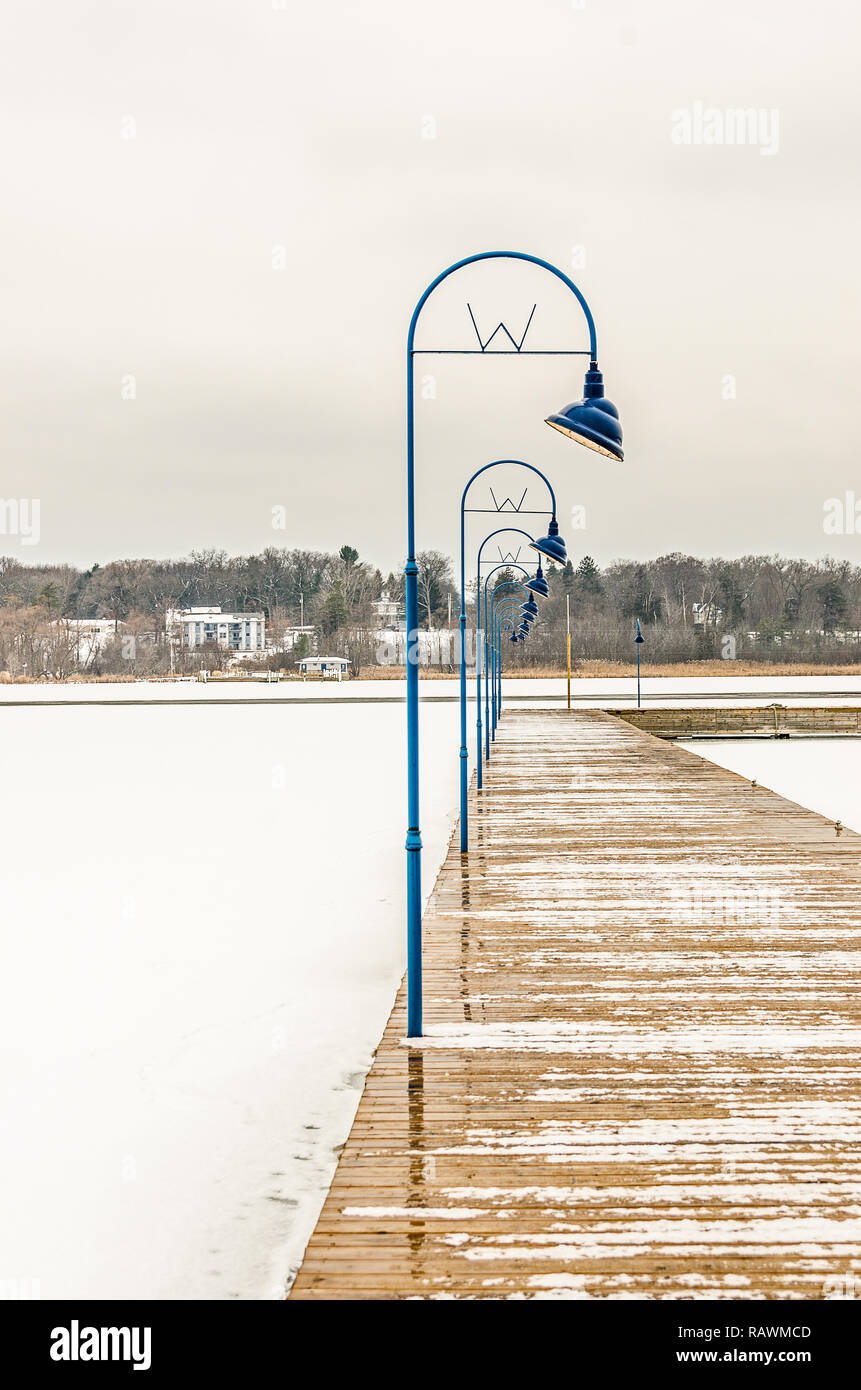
column 747, row 721
column 640, row 1074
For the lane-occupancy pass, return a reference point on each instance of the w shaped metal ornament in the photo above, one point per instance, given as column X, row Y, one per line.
column 501, row 328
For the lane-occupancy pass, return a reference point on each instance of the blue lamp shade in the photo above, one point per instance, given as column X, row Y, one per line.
column 524, row 629
column 538, row 584
column 531, row 607
column 551, row 545
column 528, row 618
column 514, row 637
column 594, row 421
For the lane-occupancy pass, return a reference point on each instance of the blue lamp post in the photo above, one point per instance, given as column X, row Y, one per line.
column 506, row 623
column 504, row 606
column 489, row 646
column 510, row 616
column 553, row 531
column 592, row 421
column 500, row 602
column 639, row 640
column 552, row 541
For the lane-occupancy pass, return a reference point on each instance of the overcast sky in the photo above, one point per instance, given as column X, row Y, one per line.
column 219, row 215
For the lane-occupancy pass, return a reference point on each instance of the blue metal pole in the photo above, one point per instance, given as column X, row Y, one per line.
column 488, row 657
column 500, row 675
column 414, row 839
column 503, row 612
column 464, row 754
column 490, row 682
column 486, row 690
column 509, row 584
column 478, row 758
column 500, row 530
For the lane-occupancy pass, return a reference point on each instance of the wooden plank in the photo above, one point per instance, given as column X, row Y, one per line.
column 639, row 1072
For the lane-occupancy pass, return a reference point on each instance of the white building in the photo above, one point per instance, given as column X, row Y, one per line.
column 329, row 667
column 286, row 640
column 90, row 634
column 388, row 612
column 705, row 615
column 238, row 632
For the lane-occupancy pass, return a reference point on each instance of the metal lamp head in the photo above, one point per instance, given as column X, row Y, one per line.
column 551, row 545
column 531, row 607
column 594, row 421
column 538, row 584
column 514, row 637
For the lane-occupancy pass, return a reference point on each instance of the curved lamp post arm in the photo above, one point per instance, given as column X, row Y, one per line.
column 464, row 753
column 414, row 839
column 497, row 588
column 510, row 564
column 497, row 463
column 505, row 256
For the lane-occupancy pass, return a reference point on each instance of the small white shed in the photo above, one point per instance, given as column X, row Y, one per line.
column 333, row 668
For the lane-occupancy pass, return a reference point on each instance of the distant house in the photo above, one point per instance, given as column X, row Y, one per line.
column 705, row 615
column 388, row 612
column 329, row 667
column 91, row 635
column 238, row 632
column 286, row 639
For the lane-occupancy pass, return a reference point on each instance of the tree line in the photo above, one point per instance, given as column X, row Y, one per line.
column 762, row 607
column 757, row 607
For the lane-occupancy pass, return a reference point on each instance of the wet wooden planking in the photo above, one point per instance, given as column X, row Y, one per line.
column 639, row 1070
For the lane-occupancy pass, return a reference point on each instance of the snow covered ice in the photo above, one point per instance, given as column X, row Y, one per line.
column 203, row 935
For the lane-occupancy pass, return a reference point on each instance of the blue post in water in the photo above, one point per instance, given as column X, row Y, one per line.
column 593, row 421
column 639, row 639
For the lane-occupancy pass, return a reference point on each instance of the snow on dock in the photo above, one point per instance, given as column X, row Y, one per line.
column 639, row 1074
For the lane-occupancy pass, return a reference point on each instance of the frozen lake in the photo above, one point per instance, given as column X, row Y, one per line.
column 586, row 692
column 203, row 934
